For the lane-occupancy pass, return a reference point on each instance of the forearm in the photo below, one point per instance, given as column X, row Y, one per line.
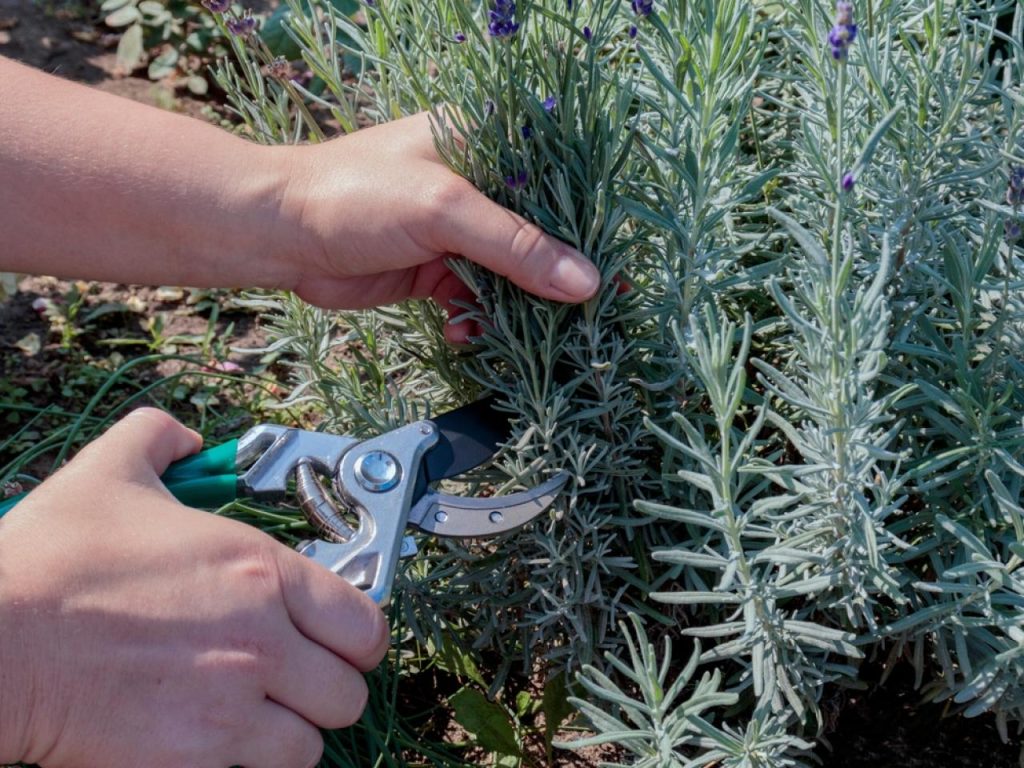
column 98, row 187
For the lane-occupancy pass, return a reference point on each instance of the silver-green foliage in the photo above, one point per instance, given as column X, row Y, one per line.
column 791, row 413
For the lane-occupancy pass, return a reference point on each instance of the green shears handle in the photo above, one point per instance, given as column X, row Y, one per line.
column 207, row 479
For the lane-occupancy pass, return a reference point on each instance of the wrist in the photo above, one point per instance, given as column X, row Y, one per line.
column 293, row 246
column 259, row 233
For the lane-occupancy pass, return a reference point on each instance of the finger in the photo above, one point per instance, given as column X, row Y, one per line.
column 316, row 684
column 147, row 438
column 436, row 280
column 330, row 611
column 279, row 739
column 504, row 242
column 357, row 292
column 461, row 332
column 453, row 295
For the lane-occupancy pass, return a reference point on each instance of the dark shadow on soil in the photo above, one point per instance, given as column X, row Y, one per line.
column 889, row 726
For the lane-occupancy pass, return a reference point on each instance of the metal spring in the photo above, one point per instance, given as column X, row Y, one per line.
column 318, row 507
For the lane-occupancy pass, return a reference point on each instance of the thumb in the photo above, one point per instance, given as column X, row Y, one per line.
column 147, row 439
column 504, row 242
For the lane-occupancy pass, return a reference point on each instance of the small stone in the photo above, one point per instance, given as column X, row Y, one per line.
column 30, row 344
column 169, row 293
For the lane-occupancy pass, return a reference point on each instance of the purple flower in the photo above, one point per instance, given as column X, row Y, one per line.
column 244, row 26
column 503, row 19
column 549, row 103
column 1011, row 230
column 217, row 6
column 488, row 108
column 642, row 7
column 518, row 181
column 587, row 33
column 568, row 5
column 842, row 35
column 848, row 181
column 527, row 132
column 460, row 37
column 1015, row 189
column 632, row 31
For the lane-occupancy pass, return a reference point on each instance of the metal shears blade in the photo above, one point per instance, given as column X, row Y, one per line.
column 385, row 483
column 467, row 437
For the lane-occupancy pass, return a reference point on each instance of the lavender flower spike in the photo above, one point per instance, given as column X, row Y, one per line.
column 1015, row 189
column 217, row 6
column 1011, row 231
column 842, row 35
column 503, row 19
column 518, row 181
column 549, row 103
column 243, row 26
column 848, row 181
column 642, row 7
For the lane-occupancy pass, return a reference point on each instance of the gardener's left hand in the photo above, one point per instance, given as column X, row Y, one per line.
column 147, row 196
column 380, row 213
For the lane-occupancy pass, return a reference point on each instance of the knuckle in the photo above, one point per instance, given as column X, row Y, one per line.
column 369, row 632
column 378, row 636
column 445, row 196
column 527, row 253
column 348, row 695
column 235, row 665
column 159, row 418
column 258, row 569
column 218, row 715
column 352, row 701
column 256, row 653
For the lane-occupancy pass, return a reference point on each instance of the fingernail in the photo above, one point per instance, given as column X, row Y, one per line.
column 574, row 276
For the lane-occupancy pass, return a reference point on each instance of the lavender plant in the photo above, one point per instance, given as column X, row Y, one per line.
column 790, row 414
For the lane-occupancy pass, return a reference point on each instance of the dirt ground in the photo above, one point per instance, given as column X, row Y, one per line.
column 67, row 38
column 883, row 727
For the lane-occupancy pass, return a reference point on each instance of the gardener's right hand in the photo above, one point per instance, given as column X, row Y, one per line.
column 136, row 631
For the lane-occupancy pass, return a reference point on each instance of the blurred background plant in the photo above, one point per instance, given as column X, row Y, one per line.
column 177, row 40
column 169, row 36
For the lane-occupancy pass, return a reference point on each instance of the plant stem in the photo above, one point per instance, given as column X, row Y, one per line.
column 837, row 222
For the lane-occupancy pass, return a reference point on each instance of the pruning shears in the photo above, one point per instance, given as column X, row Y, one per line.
column 384, row 482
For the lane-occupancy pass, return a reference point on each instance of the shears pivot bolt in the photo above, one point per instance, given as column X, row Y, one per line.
column 377, row 471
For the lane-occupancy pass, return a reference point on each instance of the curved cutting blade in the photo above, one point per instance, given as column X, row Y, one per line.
column 467, row 437
column 454, row 516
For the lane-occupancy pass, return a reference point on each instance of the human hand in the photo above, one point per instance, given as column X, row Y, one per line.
column 380, row 213
column 362, row 220
column 137, row 631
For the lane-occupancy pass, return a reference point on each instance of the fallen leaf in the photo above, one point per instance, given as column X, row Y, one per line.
column 30, row 344
column 169, row 293
column 85, row 35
